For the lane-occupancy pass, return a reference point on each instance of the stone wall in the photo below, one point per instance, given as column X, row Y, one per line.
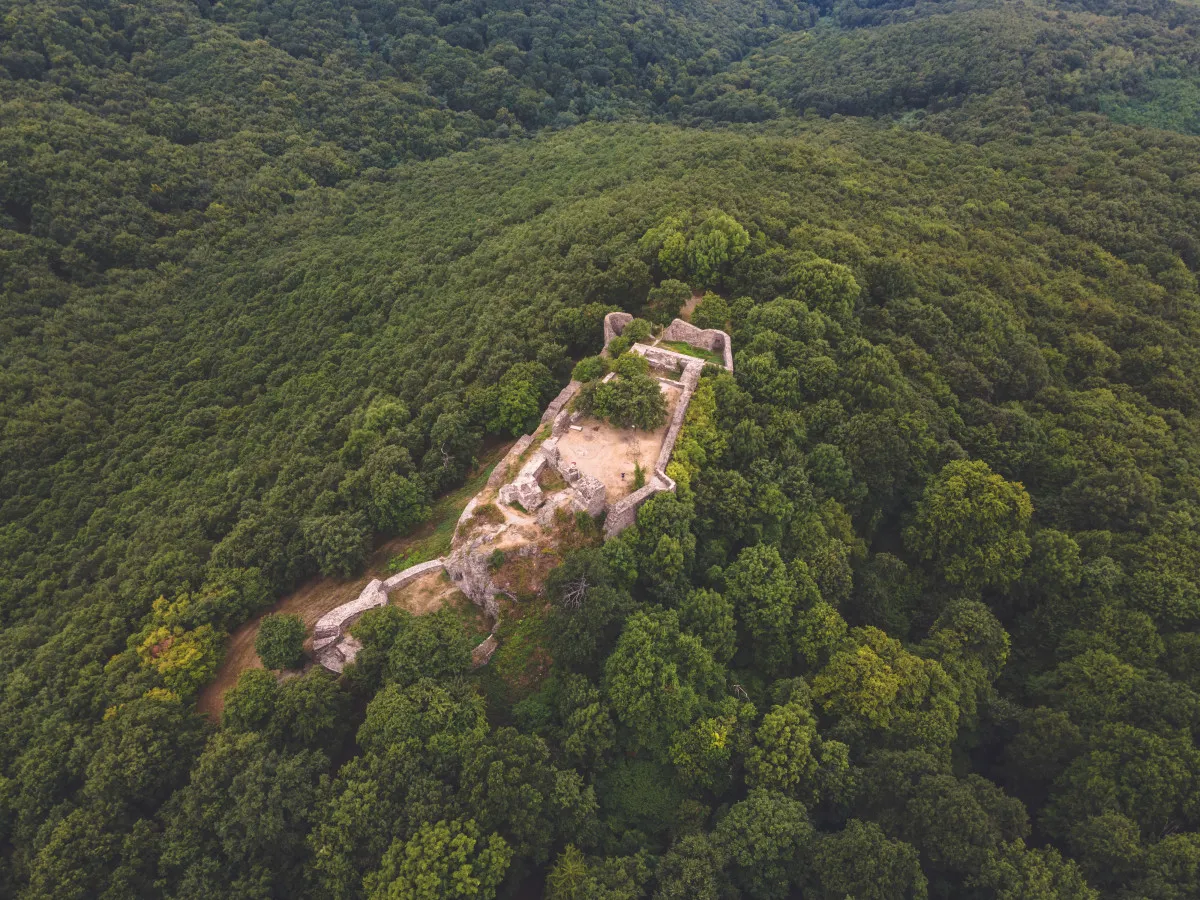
column 623, row 513
column 559, row 403
column 614, row 324
column 500, row 473
column 332, row 645
column 524, row 489
column 690, row 378
column 710, row 339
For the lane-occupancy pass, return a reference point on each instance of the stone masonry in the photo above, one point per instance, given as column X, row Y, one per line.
column 333, row 646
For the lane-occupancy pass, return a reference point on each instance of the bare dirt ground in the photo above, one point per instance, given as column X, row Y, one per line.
column 425, row 594
column 690, row 307
column 609, row 453
column 311, row 601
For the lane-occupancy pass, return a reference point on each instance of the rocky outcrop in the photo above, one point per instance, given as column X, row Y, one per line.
column 482, row 654
column 470, row 570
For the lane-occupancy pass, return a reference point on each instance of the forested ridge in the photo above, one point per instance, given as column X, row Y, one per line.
column 921, row 619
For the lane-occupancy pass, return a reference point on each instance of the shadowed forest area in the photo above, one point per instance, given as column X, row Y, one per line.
column 921, row 619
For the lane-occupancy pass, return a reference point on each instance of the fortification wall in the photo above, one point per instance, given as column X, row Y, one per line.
column 333, row 647
column 614, row 324
column 710, row 339
column 558, row 404
column 500, row 473
column 690, row 378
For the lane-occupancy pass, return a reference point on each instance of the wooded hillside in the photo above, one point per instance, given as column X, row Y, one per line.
column 921, row 619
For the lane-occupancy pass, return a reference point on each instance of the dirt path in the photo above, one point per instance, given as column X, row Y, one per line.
column 319, row 595
column 310, row 601
column 690, row 307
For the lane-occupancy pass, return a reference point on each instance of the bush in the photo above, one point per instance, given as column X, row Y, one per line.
column 590, row 368
column 633, row 400
column 489, row 513
column 711, row 312
column 631, row 366
column 665, row 301
column 280, row 641
column 636, row 331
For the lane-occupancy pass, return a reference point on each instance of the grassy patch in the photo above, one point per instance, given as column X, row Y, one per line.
column 432, row 538
column 521, row 661
column 576, row 530
column 687, row 349
column 488, row 513
column 551, row 481
column 474, row 621
column 522, row 575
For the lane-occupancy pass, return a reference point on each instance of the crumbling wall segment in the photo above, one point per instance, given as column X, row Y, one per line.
column 614, row 324
column 333, row 647
column 711, row 339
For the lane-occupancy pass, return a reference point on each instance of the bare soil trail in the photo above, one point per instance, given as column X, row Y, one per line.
column 690, row 307
column 319, row 595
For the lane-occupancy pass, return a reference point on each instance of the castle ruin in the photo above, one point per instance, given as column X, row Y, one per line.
column 569, row 466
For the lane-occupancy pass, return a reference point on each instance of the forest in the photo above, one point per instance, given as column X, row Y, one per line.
column 922, row 618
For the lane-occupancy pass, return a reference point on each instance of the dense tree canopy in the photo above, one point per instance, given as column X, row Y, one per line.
column 920, row 619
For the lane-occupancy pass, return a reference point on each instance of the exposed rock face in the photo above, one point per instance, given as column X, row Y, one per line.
column 469, row 569
column 482, row 654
